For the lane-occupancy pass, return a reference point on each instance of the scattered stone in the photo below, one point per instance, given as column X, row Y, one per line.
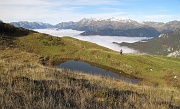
column 151, row 70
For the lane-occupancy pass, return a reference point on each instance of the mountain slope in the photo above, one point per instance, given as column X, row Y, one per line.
column 167, row 44
column 137, row 32
column 100, row 24
column 27, row 84
column 118, row 24
column 164, row 27
column 56, row 48
column 8, row 33
column 12, row 31
column 28, row 78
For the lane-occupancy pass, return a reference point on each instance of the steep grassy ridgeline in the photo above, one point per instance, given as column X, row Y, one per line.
column 168, row 44
column 12, row 31
column 25, row 83
column 8, row 33
column 29, row 80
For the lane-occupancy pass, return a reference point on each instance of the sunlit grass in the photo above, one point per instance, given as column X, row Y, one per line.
column 154, row 70
column 29, row 80
column 28, row 84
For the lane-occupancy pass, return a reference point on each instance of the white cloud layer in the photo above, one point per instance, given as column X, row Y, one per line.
column 105, row 41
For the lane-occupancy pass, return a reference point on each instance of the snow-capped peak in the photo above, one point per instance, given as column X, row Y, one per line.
column 123, row 20
column 119, row 19
column 89, row 19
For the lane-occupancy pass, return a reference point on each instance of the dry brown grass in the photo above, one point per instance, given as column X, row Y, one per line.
column 27, row 84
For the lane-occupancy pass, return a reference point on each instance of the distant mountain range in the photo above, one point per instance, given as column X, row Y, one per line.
column 112, row 27
column 167, row 44
column 32, row 25
column 138, row 32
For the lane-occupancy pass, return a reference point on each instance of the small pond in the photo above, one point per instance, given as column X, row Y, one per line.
column 88, row 68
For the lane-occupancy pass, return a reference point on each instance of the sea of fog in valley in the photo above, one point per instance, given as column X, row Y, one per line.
column 105, row 41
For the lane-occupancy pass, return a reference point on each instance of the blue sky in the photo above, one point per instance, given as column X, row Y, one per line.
column 56, row 11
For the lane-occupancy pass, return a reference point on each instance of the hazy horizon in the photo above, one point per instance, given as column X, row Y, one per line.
column 106, row 41
column 55, row 11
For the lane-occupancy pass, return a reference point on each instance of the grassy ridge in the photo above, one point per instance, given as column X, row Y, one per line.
column 154, row 70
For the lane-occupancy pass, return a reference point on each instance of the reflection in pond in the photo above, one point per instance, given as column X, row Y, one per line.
column 87, row 68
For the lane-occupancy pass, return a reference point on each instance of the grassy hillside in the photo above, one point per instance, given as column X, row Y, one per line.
column 8, row 33
column 29, row 80
column 153, row 70
column 25, row 83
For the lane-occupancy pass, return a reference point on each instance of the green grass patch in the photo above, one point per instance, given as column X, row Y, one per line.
column 154, row 70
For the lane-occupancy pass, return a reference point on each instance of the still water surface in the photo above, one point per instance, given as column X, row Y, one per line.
column 88, row 68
